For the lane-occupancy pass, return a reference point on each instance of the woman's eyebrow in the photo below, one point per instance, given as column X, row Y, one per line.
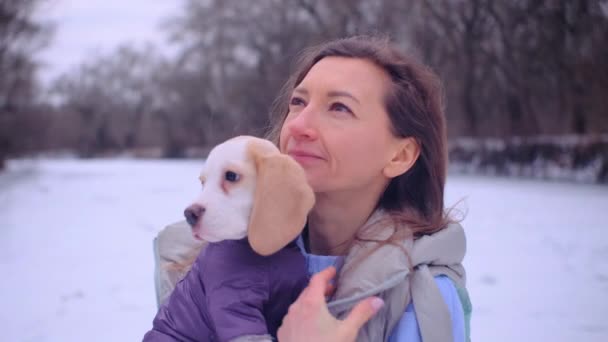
column 332, row 93
column 339, row 93
column 301, row 90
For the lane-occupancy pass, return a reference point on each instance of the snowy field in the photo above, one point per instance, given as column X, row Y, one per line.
column 76, row 251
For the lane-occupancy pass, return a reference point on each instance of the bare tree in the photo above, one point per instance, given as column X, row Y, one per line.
column 111, row 95
column 21, row 36
column 518, row 67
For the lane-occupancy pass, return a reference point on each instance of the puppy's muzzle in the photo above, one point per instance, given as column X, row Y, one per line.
column 193, row 213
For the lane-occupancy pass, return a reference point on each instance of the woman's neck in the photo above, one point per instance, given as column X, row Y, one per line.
column 335, row 220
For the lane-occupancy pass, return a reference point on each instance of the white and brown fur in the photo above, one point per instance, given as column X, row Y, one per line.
column 249, row 189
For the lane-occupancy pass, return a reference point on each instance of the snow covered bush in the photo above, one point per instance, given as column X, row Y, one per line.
column 569, row 157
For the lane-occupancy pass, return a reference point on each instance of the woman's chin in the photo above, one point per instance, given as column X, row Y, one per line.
column 319, row 180
column 319, row 185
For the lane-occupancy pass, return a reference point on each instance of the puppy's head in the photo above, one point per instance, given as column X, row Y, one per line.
column 250, row 189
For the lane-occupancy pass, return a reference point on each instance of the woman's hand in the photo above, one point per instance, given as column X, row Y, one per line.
column 308, row 318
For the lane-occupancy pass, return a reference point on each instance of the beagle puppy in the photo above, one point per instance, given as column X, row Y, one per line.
column 253, row 205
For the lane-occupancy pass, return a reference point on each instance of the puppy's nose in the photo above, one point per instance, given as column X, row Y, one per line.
column 193, row 213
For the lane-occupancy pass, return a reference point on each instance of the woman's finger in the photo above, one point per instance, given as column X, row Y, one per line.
column 362, row 312
column 319, row 283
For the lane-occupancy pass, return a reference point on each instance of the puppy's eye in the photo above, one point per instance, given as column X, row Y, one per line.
column 231, row 176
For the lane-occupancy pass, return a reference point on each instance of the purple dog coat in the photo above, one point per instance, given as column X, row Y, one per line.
column 231, row 291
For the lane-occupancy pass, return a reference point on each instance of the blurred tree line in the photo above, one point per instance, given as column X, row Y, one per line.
column 510, row 68
column 21, row 118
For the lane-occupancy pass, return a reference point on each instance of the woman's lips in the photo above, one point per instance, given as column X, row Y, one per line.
column 304, row 157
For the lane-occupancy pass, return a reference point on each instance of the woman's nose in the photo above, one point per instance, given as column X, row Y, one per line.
column 304, row 125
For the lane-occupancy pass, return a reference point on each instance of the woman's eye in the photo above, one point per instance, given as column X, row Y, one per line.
column 231, row 176
column 296, row 101
column 340, row 107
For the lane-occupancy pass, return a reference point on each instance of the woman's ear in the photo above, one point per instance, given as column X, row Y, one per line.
column 281, row 202
column 406, row 153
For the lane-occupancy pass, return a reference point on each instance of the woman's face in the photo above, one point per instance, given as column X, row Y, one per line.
column 337, row 128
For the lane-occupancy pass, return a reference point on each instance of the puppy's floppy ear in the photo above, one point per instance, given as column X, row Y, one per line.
column 281, row 203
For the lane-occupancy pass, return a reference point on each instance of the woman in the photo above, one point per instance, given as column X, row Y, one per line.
column 367, row 125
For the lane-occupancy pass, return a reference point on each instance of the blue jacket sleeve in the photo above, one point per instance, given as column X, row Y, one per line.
column 407, row 329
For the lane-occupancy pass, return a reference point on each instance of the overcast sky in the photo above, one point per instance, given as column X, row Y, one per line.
column 87, row 27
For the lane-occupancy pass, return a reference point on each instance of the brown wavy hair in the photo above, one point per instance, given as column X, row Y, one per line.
column 415, row 107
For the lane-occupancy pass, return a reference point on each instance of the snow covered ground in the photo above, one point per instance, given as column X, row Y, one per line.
column 76, row 251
